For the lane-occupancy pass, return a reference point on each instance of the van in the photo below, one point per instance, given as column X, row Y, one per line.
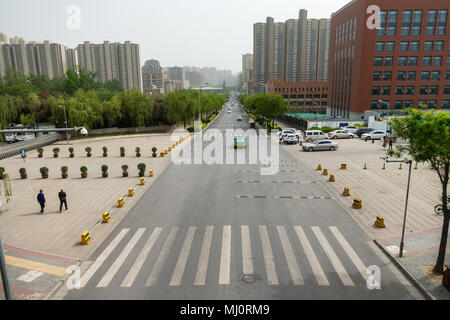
column 313, row 135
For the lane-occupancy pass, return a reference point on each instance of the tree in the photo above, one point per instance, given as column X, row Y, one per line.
column 429, row 141
column 136, row 108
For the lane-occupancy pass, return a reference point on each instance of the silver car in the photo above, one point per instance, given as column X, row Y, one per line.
column 340, row 134
column 320, row 145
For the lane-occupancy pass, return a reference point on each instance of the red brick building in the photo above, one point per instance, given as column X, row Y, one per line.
column 303, row 94
column 405, row 62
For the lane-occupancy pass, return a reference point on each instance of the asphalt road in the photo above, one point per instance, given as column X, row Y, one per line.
column 217, row 232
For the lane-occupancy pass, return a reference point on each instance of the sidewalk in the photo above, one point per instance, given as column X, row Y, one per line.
column 419, row 256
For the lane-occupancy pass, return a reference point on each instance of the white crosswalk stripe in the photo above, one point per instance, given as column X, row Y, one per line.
column 295, row 256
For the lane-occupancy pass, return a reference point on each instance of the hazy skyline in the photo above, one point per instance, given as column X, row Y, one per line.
column 176, row 32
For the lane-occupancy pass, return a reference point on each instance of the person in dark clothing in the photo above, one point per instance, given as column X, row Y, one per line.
column 391, row 141
column 62, row 200
column 41, row 200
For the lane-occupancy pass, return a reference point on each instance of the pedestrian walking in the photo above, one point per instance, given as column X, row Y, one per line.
column 384, row 141
column 391, row 141
column 62, row 200
column 41, row 200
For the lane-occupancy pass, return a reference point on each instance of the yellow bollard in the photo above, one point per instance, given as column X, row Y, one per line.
column 176, row 143
column 400, row 168
column 162, row 154
column 379, row 223
column 131, row 192
column 142, row 182
column 365, row 166
column 384, row 166
column 325, row 172
column 85, row 238
column 173, row 146
column 120, row 202
column 165, row 151
column 170, row 149
column 150, row 174
column 106, row 218
column 319, row 167
column 357, row 203
column 415, row 167
column 343, row 166
column 346, row 192
column 332, row 178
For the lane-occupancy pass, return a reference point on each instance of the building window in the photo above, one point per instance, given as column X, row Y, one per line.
column 426, row 61
column 406, row 22
column 381, row 29
column 378, row 61
column 446, row 89
column 408, row 104
column 445, row 104
column 435, row 75
column 401, row 75
column 432, row 104
column 376, row 91
column 387, row 76
column 398, row 104
column 392, row 23
column 437, row 61
column 402, row 61
column 448, row 61
column 390, row 46
column 379, row 46
column 386, row 91
column 410, row 90
column 439, row 45
column 388, row 61
column 431, row 22
column 422, row 103
column 399, row 91
column 374, row 104
column 417, row 23
column 414, row 46
column 391, row 31
column 404, row 45
column 425, row 75
column 411, row 76
column 412, row 61
column 442, row 22
column 434, row 90
column 447, row 75
column 428, row 46
column 423, row 90
column 377, row 76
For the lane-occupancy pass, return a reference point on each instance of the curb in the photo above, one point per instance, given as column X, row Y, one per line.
column 52, row 292
column 405, row 272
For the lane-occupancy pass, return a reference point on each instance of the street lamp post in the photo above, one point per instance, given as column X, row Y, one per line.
column 5, row 281
column 402, row 242
column 65, row 121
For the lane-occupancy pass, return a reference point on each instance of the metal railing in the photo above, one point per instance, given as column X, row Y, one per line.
column 16, row 148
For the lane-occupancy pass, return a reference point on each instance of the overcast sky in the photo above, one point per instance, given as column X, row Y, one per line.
column 175, row 32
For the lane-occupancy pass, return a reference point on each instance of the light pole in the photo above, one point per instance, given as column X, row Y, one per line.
column 5, row 281
column 387, row 104
column 65, row 121
column 402, row 243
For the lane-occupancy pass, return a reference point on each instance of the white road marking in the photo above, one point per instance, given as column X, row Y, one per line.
column 131, row 276
column 247, row 259
column 269, row 261
column 337, row 264
column 313, row 261
column 103, row 256
column 104, row 282
column 294, row 270
column 224, row 274
column 351, row 253
column 200, row 277
column 153, row 277
column 30, row 276
column 178, row 272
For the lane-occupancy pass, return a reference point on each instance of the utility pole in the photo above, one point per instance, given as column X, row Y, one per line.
column 6, row 288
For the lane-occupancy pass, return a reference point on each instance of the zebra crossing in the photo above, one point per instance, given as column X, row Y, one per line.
column 321, row 248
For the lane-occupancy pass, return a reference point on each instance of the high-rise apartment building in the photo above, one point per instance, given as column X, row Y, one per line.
column 110, row 61
column 403, row 63
column 295, row 50
column 152, row 77
column 247, row 73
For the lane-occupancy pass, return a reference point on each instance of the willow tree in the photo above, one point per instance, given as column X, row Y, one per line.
column 429, row 141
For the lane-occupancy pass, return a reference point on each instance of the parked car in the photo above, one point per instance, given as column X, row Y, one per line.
column 239, row 118
column 313, row 135
column 351, row 129
column 375, row 135
column 320, row 145
column 341, row 134
column 361, row 131
column 282, row 134
column 290, row 138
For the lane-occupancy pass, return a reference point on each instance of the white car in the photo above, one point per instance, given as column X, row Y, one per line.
column 282, row 134
column 351, row 129
column 290, row 138
column 375, row 135
column 341, row 134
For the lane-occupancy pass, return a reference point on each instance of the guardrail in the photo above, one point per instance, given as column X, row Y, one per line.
column 15, row 148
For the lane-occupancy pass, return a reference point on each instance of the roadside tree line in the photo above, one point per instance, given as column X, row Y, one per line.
column 264, row 107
